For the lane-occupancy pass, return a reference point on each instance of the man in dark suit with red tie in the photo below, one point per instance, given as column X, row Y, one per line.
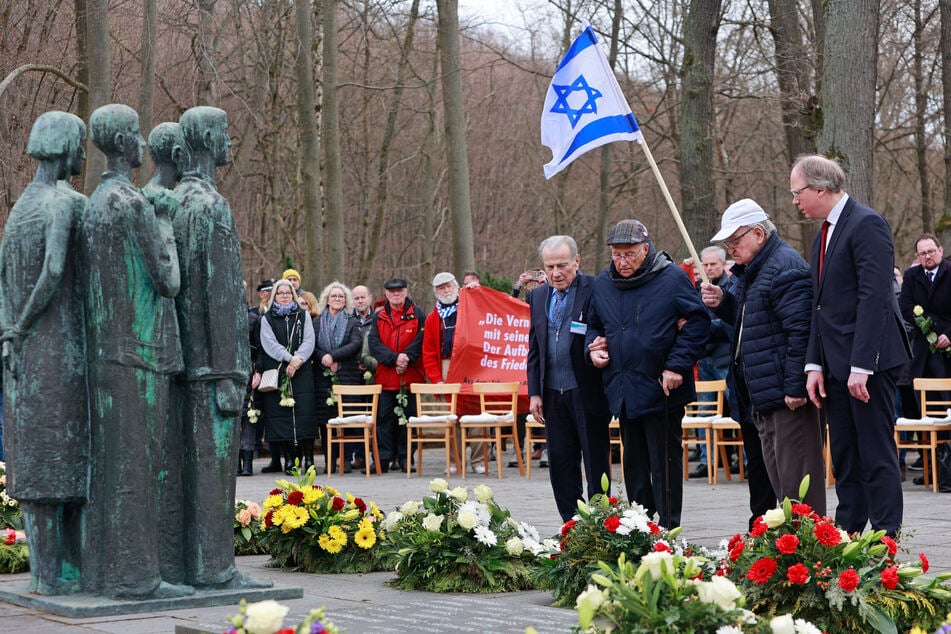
column 857, row 344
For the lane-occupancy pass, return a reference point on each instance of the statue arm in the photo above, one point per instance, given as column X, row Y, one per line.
column 155, row 239
column 226, row 323
column 54, row 263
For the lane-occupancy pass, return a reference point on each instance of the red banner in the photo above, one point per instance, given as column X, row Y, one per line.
column 490, row 343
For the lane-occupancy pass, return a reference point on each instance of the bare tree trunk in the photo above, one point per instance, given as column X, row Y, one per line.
column 310, row 139
column 330, row 131
column 203, row 48
column 456, row 155
column 921, row 118
column 147, row 89
column 945, row 8
column 848, row 91
column 604, row 199
column 100, row 78
column 698, row 191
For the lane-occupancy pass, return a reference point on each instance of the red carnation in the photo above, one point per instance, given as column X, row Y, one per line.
column 612, row 523
column 737, row 550
column 797, row 574
column 287, row 630
column 612, row 499
column 762, row 570
column 567, row 527
column 827, row 534
column 890, row 543
column 759, row 527
column 654, row 528
column 849, row 579
column 296, row 498
column 360, row 504
column 661, row 547
column 276, row 492
column 734, row 541
column 338, row 504
column 890, row 577
column 267, row 518
column 801, row 509
column 924, row 562
column 11, row 538
column 787, row 544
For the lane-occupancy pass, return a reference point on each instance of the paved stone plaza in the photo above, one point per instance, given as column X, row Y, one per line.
column 365, row 604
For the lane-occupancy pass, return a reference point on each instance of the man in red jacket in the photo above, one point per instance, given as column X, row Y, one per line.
column 396, row 342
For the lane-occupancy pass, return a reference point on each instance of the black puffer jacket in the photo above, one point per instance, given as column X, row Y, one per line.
column 776, row 289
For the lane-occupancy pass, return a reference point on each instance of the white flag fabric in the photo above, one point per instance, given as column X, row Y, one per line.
column 584, row 107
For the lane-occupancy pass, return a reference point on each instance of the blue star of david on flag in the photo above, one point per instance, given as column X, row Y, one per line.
column 564, row 92
column 584, row 107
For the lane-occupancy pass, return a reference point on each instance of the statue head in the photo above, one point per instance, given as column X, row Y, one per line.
column 115, row 131
column 59, row 135
column 205, row 130
column 167, row 147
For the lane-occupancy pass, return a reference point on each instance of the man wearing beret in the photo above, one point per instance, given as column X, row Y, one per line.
column 396, row 342
column 647, row 329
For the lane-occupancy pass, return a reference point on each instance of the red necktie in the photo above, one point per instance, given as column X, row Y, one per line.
column 822, row 245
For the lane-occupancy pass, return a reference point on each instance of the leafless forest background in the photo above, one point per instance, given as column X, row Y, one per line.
column 726, row 91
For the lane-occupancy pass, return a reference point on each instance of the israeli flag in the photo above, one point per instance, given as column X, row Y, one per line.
column 584, row 107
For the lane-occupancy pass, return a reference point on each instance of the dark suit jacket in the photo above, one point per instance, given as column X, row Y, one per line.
column 855, row 316
column 587, row 376
column 935, row 299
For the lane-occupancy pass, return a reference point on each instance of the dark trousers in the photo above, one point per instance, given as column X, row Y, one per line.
column 861, row 438
column 573, row 436
column 653, row 463
column 390, row 435
column 792, row 448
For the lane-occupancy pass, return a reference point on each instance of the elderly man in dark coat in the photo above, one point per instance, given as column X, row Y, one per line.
column 647, row 329
column 769, row 309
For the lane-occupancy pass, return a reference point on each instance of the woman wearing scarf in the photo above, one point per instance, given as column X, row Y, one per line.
column 287, row 343
column 337, row 357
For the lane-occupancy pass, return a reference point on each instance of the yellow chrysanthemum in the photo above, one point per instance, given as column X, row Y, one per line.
column 332, row 546
column 338, row 535
column 294, row 517
column 375, row 510
column 311, row 494
column 272, row 502
column 277, row 518
column 365, row 538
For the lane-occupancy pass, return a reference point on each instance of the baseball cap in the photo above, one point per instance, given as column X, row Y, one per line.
column 627, row 232
column 443, row 278
column 395, row 283
column 742, row 213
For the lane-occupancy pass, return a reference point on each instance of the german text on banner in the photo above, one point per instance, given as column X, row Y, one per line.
column 584, row 107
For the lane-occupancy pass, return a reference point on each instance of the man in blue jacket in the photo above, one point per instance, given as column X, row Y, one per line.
column 647, row 329
column 769, row 308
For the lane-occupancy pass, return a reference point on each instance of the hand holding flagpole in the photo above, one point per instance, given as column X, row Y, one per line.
column 585, row 109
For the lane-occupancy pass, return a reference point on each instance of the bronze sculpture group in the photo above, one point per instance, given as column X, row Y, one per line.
column 123, row 324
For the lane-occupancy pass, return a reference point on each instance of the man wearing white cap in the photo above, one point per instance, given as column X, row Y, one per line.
column 769, row 308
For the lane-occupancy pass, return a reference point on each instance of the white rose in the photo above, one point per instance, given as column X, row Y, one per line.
column 783, row 624
column 438, row 485
column 459, row 493
column 432, row 522
column 468, row 518
column 805, row 627
column 729, row 629
column 656, row 563
column 410, row 508
column 774, row 517
column 514, row 546
column 392, row 519
column 264, row 617
column 483, row 493
column 719, row 590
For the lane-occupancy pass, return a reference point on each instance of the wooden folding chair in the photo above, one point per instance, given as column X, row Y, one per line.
column 435, row 423
column 721, row 441
column 534, row 434
column 936, row 418
column 499, row 404
column 356, row 409
column 699, row 416
column 615, row 439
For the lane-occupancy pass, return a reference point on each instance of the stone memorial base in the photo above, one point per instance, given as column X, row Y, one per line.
column 86, row 606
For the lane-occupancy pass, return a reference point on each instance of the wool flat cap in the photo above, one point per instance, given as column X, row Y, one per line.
column 394, row 283
column 627, row 232
column 443, row 278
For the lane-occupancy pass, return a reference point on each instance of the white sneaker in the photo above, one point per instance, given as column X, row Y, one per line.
column 479, row 468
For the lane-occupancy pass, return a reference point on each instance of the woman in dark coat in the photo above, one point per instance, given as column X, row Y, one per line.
column 337, row 353
column 287, row 343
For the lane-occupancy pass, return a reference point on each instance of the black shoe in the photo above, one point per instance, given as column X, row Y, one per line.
column 699, row 472
column 919, row 480
column 274, row 467
column 513, row 464
column 917, row 465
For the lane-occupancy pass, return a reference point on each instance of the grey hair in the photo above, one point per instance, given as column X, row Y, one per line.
column 820, row 172
column 557, row 241
column 767, row 226
column 720, row 251
column 278, row 284
column 325, row 294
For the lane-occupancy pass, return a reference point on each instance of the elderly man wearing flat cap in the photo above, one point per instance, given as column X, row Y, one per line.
column 769, row 308
column 396, row 342
column 647, row 329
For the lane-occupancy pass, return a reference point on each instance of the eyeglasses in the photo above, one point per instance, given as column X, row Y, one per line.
column 795, row 192
column 337, row 297
column 630, row 256
column 284, row 293
column 729, row 244
column 927, row 254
